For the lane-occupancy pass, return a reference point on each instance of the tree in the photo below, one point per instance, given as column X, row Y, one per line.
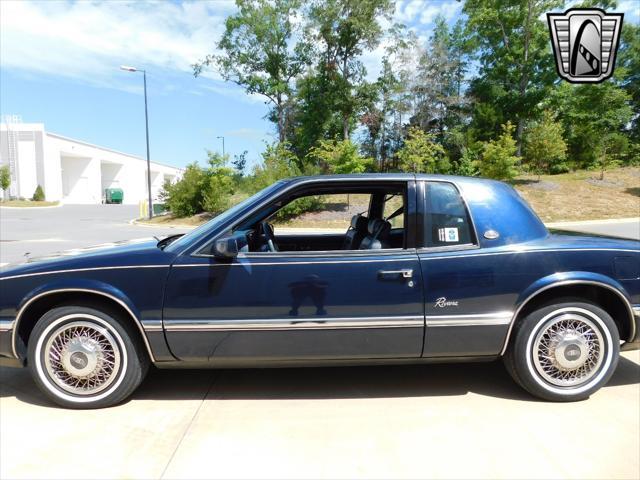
column 340, row 157
column 258, row 52
column 201, row 189
column 185, row 197
column 498, row 159
column 392, row 99
column 422, row 154
column 240, row 162
column 219, row 185
column 610, row 148
column 345, row 29
column 628, row 68
column 511, row 41
column 278, row 162
column 545, row 149
column 38, row 195
column 438, row 85
column 5, row 179
column 589, row 112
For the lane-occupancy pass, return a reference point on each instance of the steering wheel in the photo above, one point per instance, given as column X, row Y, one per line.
column 269, row 236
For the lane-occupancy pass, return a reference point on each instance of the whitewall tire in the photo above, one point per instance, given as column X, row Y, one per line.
column 564, row 351
column 85, row 358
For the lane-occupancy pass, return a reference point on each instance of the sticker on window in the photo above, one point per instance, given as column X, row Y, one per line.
column 448, row 234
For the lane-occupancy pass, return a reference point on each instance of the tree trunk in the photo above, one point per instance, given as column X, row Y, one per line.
column 345, row 115
column 519, row 131
column 281, row 132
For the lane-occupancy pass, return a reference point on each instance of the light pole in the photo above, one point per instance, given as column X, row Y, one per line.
column 146, row 123
column 222, row 145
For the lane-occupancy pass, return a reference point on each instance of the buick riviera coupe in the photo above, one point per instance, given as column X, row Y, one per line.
column 426, row 268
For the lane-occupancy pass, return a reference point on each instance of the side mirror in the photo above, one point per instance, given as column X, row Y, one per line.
column 225, row 248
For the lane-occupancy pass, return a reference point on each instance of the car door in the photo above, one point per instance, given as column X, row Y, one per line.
column 285, row 307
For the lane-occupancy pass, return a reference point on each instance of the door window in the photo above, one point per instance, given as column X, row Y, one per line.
column 321, row 213
column 447, row 220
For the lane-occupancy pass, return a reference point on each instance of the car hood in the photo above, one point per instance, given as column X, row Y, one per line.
column 124, row 253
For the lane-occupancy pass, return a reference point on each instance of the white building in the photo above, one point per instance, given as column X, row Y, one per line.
column 73, row 171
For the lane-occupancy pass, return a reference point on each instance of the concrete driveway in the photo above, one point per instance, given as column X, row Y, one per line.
column 434, row 421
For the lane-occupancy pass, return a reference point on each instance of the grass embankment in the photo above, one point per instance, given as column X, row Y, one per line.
column 574, row 196
column 582, row 195
column 26, row 203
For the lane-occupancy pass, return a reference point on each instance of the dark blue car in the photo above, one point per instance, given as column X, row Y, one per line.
column 432, row 268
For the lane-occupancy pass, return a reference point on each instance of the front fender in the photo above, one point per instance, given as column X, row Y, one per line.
column 75, row 285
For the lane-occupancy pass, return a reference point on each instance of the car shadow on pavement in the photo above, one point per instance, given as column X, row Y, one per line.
column 486, row 379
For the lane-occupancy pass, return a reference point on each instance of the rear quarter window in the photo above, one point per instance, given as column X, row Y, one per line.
column 447, row 220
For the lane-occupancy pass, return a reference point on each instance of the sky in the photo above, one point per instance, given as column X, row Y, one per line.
column 59, row 65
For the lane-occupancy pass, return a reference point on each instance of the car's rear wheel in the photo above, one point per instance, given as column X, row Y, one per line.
column 564, row 351
column 85, row 358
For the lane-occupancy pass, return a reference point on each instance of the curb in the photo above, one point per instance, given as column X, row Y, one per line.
column 134, row 221
column 31, row 208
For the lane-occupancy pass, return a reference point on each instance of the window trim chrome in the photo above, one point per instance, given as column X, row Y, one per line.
column 197, row 249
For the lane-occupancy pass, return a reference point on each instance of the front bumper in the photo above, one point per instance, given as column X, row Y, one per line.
column 635, row 343
column 6, row 351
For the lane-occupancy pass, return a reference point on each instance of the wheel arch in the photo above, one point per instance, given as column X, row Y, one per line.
column 37, row 304
column 599, row 289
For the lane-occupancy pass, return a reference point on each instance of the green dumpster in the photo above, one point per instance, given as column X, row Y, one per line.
column 159, row 208
column 113, row 195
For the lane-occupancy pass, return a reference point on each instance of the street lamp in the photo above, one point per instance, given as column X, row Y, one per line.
column 146, row 122
column 222, row 145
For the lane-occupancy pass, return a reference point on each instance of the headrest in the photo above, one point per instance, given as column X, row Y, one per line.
column 377, row 226
column 358, row 222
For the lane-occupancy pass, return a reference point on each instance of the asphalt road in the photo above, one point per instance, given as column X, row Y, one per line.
column 41, row 231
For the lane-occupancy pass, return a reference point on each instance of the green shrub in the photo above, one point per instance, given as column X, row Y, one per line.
column 422, row 154
column 38, row 195
column 298, row 207
column 499, row 158
column 5, row 177
column 201, row 189
column 545, row 148
column 185, row 197
column 340, row 157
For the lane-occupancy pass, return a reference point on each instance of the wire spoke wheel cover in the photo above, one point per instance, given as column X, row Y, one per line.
column 568, row 349
column 81, row 356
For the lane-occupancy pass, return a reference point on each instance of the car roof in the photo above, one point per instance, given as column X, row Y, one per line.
column 390, row 177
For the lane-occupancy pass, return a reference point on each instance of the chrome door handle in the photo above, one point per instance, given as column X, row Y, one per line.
column 404, row 273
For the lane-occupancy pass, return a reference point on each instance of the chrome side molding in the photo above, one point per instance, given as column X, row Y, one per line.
column 294, row 323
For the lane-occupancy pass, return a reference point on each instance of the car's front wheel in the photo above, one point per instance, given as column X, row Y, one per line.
column 85, row 358
column 564, row 351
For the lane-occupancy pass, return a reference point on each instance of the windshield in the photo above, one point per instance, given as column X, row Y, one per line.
column 221, row 219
